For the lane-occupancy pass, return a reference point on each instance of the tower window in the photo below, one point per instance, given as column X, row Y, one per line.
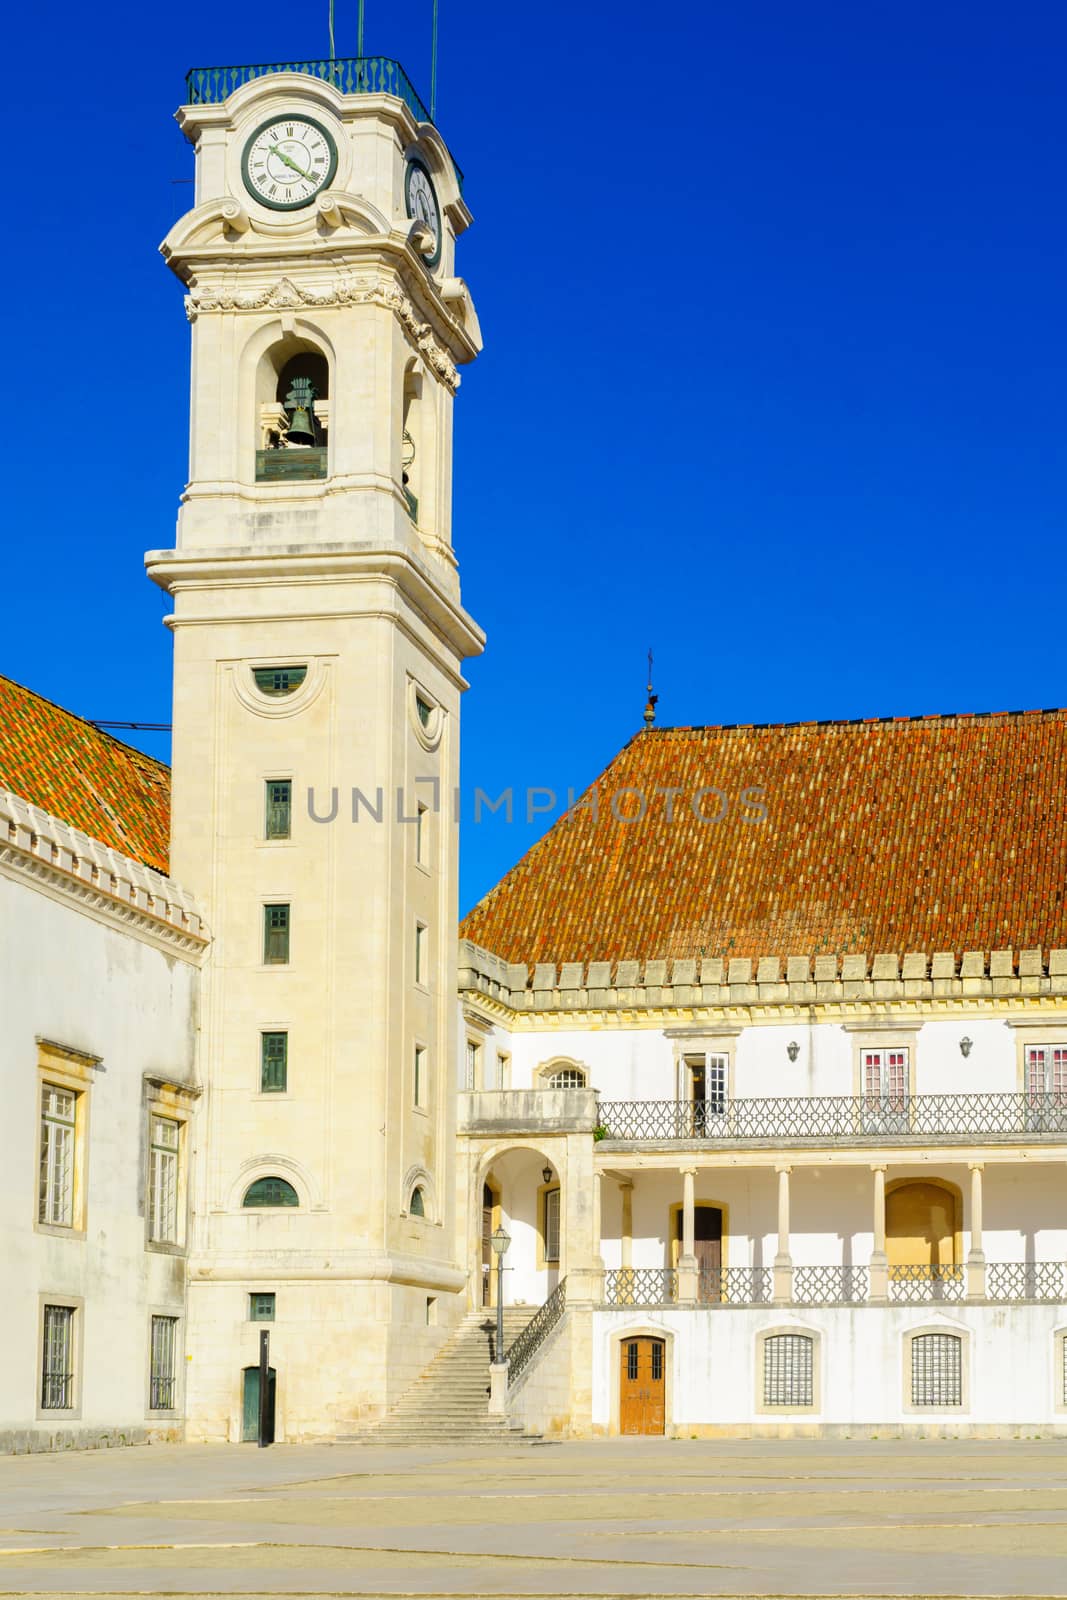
column 420, row 1075
column 163, row 1369
column 261, row 1307
column 279, row 808
column 424, row 709
column 278, row 680
column 274, row 1062
column 270, row 1192
column 417, row 1207
column 275, row 935
column 421, row 935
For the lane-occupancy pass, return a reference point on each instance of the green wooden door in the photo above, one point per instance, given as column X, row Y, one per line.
column 250, row 1412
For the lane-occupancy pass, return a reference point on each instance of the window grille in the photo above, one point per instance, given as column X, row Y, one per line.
column 279, row 808
column 788, row 1370
column 631, row 1362
column 271, row 1192
column 274, row 1062
column 162, row 1372
column 278, row 680
column 551, row 1229
column 57, row 1374
column 567, row 1078
column 937, row 1369
column 657, row 1362
column 275, row 934
column 56, row 1193
column 261, row 1307
column 163, row 1181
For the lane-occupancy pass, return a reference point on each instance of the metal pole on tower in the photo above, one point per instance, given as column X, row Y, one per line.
column 333, row 50
column 433, row 67
column 359, row 35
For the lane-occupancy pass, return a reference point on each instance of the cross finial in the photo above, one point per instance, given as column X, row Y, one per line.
column 650, row 708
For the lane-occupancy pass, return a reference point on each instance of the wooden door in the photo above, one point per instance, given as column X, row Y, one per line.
column 250, row 1405
column 642, row 1393
column 707, row 1247
column 488, row 1287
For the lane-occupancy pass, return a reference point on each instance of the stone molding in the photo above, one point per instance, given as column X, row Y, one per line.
column 98, row 879
column 285, row 295
column 765, row 981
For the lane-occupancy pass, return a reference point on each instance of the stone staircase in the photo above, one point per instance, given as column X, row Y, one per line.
column 449, row 1404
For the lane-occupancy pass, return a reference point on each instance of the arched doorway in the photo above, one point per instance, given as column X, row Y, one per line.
column 490, row 1220
column 922, row 1224
column 519, row 1189
column 250, row 1405
column 642, row 1386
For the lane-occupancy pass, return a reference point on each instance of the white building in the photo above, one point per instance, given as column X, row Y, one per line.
column 759, row 1059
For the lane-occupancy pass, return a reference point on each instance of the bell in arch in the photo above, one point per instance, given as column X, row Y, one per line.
column 300, row 403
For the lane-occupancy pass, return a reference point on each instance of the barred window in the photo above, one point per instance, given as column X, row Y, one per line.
column 162, row 1373
column 274, row 1062
column 275, row 935
column 56, row 1192
column 551, row 1225
column 789, row 1370
column 567, row 1078
column 937, row 1369
column 57, row 1367
column 279, row 808
column 163, row 1181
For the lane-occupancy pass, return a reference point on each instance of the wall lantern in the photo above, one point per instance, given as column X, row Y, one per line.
column 792, row 1049
column 546, row 1173
column 965, row 1046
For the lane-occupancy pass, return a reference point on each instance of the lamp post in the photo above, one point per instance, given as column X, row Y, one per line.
column 500, row 1239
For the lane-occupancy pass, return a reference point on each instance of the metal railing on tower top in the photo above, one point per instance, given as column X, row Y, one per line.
column 208, row 86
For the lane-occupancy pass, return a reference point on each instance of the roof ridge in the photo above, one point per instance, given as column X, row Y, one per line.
column 846, row 722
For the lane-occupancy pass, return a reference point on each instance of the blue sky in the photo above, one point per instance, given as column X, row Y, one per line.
column 773, row 381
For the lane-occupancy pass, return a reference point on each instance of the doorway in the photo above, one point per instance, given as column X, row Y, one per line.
column 642, row 1386
column 921, row 1225
column 250, row 1405
column 707, row 1247
column 490, row 1218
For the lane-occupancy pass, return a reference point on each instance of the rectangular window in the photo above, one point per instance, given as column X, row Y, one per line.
column 56, row 1190
column 279, row 808
column 162, row 1372
column 503, row 1071
column 275, row 935
column 420, row 953
column 551, row 1225
column 57, row 1366
column 474, row 1052
column 422, row 830
column 261, row 1307
column 788, row 1370
column 885, row 1076
column 420, row 1075
column 163, row 1181
column 937, row 1369
column 273, row 1062
column 1046, row 1071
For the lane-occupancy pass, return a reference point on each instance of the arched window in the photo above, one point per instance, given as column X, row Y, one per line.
column 271, row 1192
column 417, row 1208
column 565, row 1078
column 936, row 1369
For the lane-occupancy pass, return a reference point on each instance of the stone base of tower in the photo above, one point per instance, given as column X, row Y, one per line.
column 342, row 1353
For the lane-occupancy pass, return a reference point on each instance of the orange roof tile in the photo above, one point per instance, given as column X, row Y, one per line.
column 84, row 777
column 941, row 833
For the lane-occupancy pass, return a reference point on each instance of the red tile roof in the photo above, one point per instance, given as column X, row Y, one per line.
column 89, row 780
column 940, row 833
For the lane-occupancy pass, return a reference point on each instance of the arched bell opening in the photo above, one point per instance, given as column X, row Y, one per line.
column 292, row 412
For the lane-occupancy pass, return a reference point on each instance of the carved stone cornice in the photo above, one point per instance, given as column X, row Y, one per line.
column 287, row 295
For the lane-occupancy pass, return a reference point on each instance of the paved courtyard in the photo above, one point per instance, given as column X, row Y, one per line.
column 622, row 1518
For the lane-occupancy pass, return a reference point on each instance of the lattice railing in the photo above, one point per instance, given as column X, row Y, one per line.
column 640, row 1286
column 735, row 1286
column 536, row 1332
column 824, row 1118
column 920, row 1285
column 831, row 1286
column 1026, row 1280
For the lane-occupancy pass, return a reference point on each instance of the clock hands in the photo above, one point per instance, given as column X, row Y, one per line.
column 276, row 150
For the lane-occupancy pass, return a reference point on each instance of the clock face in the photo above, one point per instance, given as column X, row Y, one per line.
column 288, row 161
column 422, row 203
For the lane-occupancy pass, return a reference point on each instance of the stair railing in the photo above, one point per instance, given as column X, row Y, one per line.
column 536, row 1331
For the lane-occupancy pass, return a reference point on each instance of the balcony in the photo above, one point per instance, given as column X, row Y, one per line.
column 1006, row 1282
column 838, row 1119
column 537, row 1111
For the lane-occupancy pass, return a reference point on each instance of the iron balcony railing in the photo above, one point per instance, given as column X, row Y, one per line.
column 824, row 1118
column 1018, row 1281
column 208, row 86
column 536, row 1332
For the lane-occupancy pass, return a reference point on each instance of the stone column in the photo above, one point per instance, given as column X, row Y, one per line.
column 687, row 1261
column 627, row 1243
column 879, row 1259
column 976, row 1273
column 581, row 1262
column 783, row 1261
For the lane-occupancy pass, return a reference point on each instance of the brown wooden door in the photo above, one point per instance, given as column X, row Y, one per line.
column 707, row 1247
column 642, row 1395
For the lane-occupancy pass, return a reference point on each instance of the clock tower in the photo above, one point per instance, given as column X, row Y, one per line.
column 318, row 648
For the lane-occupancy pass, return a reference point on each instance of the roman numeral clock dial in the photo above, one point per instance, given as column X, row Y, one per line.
column 288, row 161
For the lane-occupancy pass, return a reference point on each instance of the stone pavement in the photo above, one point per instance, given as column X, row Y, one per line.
column 605, row 1518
